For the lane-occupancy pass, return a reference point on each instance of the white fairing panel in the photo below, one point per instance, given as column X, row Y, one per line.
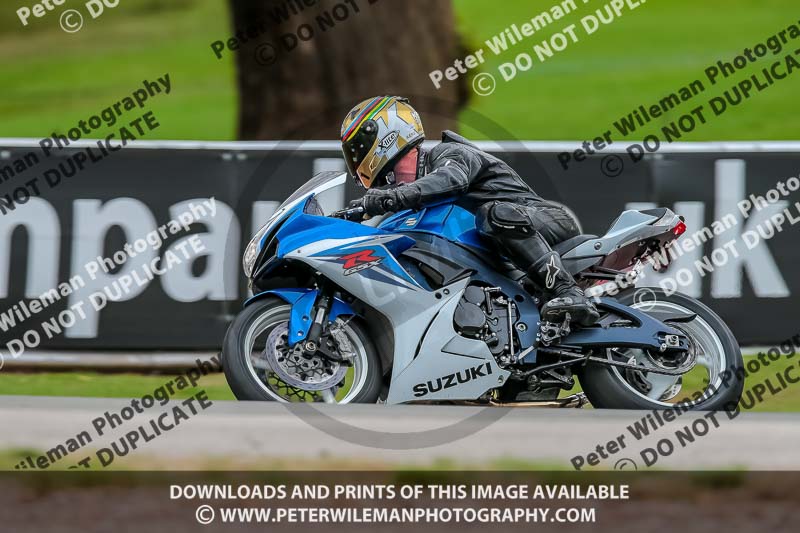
column 448, row 366
column 413, row 313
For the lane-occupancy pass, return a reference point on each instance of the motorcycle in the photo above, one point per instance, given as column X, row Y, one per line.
column 416, row 307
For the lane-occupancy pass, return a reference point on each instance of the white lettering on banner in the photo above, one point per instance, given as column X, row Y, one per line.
column 727, row 262
column 93, row 220
column 220, row 278
column 124, row 284
column 40, row 221
column 763, row 272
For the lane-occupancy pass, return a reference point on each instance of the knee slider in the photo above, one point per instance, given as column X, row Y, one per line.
column 504, row 217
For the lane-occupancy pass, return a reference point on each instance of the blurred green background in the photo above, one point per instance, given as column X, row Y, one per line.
column 52, row 79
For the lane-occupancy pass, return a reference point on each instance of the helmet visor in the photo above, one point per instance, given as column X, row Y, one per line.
column 357, row 149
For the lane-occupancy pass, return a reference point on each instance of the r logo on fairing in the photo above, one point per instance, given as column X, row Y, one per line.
column 359, row 261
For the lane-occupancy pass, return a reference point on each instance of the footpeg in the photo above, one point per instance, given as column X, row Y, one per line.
column 551, row 331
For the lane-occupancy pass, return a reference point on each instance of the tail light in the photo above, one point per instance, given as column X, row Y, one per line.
column 679, row 229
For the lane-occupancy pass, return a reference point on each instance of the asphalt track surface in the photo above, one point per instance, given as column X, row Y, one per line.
column 409, row 435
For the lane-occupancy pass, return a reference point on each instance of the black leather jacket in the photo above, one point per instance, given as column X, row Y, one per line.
column 456, row 167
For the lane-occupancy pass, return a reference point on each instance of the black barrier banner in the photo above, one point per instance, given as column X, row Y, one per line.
column 737, row 254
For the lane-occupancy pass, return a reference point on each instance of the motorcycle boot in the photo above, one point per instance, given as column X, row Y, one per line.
column 562, row 293
column 546, row 272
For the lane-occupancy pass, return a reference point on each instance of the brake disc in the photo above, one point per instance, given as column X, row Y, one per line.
column 297, row 368
column 638, row 380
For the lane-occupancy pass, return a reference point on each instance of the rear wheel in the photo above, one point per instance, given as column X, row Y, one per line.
column 259, row 364
column 703, row 387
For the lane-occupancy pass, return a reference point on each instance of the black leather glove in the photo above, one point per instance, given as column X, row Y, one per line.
column 381, row 201
column 378, row 202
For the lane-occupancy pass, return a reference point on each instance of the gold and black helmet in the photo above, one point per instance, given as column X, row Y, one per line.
column 376, row 134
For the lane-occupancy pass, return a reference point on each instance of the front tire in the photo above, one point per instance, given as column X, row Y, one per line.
column 612, row 388
column 251, row 381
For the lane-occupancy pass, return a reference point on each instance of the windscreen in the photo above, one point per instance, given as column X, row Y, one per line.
column 319, row 183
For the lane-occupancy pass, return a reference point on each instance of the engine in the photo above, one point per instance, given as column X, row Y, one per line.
column 487, row 314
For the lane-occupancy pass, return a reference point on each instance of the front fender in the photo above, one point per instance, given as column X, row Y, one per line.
column 302, row 301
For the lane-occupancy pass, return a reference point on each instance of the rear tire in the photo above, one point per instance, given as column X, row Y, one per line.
column 606, row 389
column 241, row 376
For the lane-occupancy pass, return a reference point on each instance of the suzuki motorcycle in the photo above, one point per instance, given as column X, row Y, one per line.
column 418, row 308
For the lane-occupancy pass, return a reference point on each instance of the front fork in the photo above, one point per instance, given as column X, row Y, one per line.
column 323, row 306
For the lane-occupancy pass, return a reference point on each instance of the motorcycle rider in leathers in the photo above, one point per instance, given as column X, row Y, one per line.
column 381, row 143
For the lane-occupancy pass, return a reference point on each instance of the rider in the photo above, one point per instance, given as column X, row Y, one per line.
column 381, row 143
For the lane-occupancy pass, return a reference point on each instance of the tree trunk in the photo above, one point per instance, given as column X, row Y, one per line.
column 305, row 63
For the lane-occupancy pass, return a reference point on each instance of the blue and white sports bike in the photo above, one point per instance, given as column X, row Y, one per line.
column 417, row 308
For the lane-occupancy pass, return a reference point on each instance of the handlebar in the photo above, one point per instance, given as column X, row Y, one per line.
column 349, row 214
column 358, row 211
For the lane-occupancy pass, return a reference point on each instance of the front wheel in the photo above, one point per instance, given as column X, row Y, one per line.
column 712, row 384
column 260, row 365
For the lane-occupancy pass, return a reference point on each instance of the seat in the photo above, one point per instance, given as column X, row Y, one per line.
column 657, row 212
column 572, row 243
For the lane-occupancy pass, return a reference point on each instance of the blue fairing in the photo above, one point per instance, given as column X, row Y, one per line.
column 301, row 229
column 388, row 267
column 302, row 301
column 445, row 220
column 450, row 221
